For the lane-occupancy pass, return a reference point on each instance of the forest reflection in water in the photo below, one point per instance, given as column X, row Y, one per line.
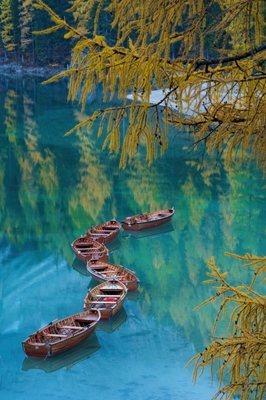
column 53, row 188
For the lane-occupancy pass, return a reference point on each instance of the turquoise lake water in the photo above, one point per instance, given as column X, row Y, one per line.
column 53, row 188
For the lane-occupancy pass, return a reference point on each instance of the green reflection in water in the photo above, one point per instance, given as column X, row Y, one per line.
column 53, row 188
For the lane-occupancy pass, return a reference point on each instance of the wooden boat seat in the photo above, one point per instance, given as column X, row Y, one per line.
column 89, row 320
column 88, row 249
column 109, row 272
column 85, row 250
column 38, row 343
column 71, row 327
column 84, row 244
column 55, row 335
column 99, row 234
column 104, row 295
column 103, row 302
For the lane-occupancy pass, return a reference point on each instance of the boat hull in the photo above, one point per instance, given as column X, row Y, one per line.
column 42, row 344
column 108, row 298
column 104, row 233
column 149, row 233
column 65, row 360
column 147, row 221
column 108, row 239
column 131, row 286
column 87, row 249
column 97, row 256
column 108, row 313
column 103, row 271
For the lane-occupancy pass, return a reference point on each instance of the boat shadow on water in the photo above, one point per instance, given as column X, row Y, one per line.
column 80, row 267
column 113, row 245
column 114, row 323
column 65, row 360
column 150, row 233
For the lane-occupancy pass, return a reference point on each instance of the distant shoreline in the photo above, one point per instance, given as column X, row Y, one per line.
column 19, row 70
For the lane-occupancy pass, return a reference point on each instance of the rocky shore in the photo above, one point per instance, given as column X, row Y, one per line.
column 13, row 69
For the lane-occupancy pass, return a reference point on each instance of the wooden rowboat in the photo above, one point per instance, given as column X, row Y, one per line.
column 61, row 335
column 66, row 360
column 148, row 220
column 85, row 249
column 108, row 298
column 149, row 233
column 104, row 233
column 102, row 271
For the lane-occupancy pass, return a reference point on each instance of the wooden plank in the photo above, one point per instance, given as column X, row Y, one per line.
column 86, row 320
column 98, row 234
column 88, row 251
column 103, row 302
column 104, row 295
column 55, row 335
column 85, row 244
column 107, row 272
column 70, row 327
column 37, row 343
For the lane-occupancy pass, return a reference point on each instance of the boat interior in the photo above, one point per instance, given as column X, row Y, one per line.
column 63, row 329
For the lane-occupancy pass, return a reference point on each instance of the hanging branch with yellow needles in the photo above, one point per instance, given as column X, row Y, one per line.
column 240, row 353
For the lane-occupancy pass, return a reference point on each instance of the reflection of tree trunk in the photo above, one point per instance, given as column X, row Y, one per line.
column 34, row 91
column 33, row 52
column 15, row 55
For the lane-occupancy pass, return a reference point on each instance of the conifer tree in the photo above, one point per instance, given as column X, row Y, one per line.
column 7, row 27
column 52, row 48
column 26, row 13
column 16, row 29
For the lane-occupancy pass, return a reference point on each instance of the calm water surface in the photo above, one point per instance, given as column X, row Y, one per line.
column 52, row 189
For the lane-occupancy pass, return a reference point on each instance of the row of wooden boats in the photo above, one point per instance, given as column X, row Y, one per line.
column 103, row 301
column 91, row 245
column 100, row 303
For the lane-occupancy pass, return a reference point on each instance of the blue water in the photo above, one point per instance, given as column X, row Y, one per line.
column 52, row 189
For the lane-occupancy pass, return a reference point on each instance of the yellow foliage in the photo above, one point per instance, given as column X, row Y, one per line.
column 240, row 353
column 163, row 44
column 7, row 26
